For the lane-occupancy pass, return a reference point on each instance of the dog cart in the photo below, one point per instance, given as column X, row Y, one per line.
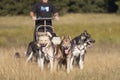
column 56, row 40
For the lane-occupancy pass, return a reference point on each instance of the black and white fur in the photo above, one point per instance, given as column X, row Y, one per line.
column 41, row 49
column 32, row 51
column 63, row 53
column 79, row 46
column 46, row 51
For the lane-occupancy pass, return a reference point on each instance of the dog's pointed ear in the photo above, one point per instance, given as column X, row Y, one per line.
column 49, row 34
column 69, row 37
column 62, row 37
column 85, row 32
column 66, row 36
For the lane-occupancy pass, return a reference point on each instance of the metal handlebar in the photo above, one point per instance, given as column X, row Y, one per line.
column 50, row 18
column 44, row 25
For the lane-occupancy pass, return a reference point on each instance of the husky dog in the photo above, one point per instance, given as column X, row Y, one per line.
column 46, row 51
column 63, row 52
column 41, row 49
column 79, row 46
column 32, row 51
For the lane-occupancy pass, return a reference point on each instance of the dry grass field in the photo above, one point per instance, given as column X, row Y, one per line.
column 100, row 64
column 102, row 61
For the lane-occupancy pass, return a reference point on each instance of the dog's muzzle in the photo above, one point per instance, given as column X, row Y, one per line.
column 89, row 43
column 43, row 47
column 66, row 50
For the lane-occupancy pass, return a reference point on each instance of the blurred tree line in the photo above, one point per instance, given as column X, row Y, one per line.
column 23, row 7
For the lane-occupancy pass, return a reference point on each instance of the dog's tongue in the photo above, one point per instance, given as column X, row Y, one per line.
column 44, row 49
column 66, row 51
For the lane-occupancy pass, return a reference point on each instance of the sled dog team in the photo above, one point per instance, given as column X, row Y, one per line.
column 58, row 51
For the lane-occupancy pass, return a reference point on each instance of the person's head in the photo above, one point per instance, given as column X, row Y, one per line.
column 44, row 1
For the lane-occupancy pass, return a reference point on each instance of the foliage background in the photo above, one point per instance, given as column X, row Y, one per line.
column 23, row 7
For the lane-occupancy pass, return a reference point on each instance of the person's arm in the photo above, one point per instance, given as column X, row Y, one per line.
column 33, row 15
column 55, row 13
column 56, row 16
column 33, row 11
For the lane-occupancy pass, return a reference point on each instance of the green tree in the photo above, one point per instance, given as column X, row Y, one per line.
column 118, row 4
column 23, row 7
column 15, row 7
column 61, row 5
column 87, row 6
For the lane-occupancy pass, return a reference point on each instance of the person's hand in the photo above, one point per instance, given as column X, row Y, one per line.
column 56, row 18
column 34, row 18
